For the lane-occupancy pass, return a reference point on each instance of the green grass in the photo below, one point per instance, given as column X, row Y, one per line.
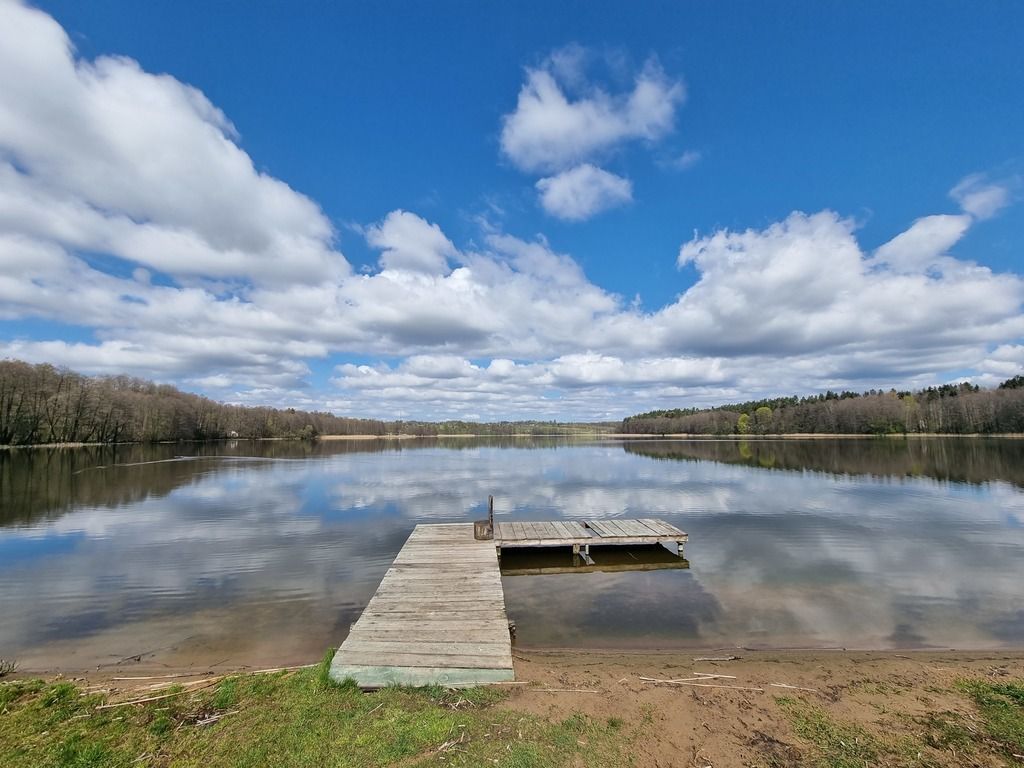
column 1002, row 711
column 839, row 745
column 940, row 738
column 289, row 719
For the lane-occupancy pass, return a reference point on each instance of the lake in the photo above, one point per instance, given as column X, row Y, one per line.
column 263, row 553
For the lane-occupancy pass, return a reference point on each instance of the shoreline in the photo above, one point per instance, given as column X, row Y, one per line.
column 717, row 707
column 546, row 657
column 611, row 436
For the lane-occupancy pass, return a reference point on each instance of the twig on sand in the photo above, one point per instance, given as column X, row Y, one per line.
column 732, row 687
column 560, row 690
column 716, row 658
column 692, row 682
column 701, row 676
column 793, row 687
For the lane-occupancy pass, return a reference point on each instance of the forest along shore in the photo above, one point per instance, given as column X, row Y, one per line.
column 44, row 405
column 718, row 707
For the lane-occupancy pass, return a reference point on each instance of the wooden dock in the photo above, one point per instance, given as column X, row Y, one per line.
column 438, row 616
column 582, row 534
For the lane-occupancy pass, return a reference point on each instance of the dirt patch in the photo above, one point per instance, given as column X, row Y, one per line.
column 891, row 697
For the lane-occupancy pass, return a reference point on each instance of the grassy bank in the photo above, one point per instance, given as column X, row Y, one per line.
column 297, row 718
column 580, row 709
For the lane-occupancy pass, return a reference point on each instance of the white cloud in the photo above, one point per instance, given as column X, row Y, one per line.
column 103, row 156
column 920, row 247
column 583, row 191
column 685, row 161
column 979, row 197
column 803, row 286
column 562, row 121
column 410, row 243
column 549, row 130
column 207, row 271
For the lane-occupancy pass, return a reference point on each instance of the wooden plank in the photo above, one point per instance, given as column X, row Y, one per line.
column 616, row 527
column 373, row 677
column 666, row 529
column 657, row 526
column 576, row 528
column 426, row 660
column 600, row 528
column 481, row 649
column 428, row 635
column 636, row 528
column 563, row 529
column 650, row 531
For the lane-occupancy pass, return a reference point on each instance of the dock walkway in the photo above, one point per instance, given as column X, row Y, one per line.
column 438, row 616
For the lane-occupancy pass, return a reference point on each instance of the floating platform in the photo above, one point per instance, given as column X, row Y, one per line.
column 438, row 616
column 581, row 534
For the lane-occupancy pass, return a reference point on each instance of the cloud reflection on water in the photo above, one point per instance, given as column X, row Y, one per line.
column 284, row 553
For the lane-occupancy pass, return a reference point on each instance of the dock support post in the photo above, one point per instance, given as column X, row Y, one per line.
column 679, row 549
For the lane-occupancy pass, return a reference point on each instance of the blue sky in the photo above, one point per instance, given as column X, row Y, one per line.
column 464, row 210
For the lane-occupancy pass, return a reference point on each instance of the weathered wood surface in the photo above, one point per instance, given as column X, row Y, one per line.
column 586, row 532
column 437, row 617
column 544, row 570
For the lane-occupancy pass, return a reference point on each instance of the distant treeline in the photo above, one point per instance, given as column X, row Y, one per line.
column 44, row 404
column 950, row 409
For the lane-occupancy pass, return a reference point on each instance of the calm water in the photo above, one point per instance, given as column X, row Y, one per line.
column 265, row 553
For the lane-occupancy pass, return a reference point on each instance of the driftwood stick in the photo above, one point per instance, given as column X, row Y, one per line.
column 165, row 677
column 793, row 687
column 733, row 687
column 275, row 669
column 716, row 658
column 687, row 679
column 215, row 718
column 560, row 690
column 154, row 698
column 168, row 684
column 691, row 682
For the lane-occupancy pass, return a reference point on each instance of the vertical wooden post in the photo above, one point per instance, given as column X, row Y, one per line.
column 490, row 512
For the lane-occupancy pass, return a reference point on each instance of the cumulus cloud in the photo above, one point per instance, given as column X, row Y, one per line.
column 562, row 120
column 804, row 286
column 130, row 214
column 920, row 247
column 583, row 191
column 980, row 197
column 550, row 130
column 103, row 156
column 410, row 243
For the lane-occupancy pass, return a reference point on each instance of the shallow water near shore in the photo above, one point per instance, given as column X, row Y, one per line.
column 263, row 553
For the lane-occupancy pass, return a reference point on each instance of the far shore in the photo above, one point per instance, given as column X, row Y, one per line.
column 583, row 435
